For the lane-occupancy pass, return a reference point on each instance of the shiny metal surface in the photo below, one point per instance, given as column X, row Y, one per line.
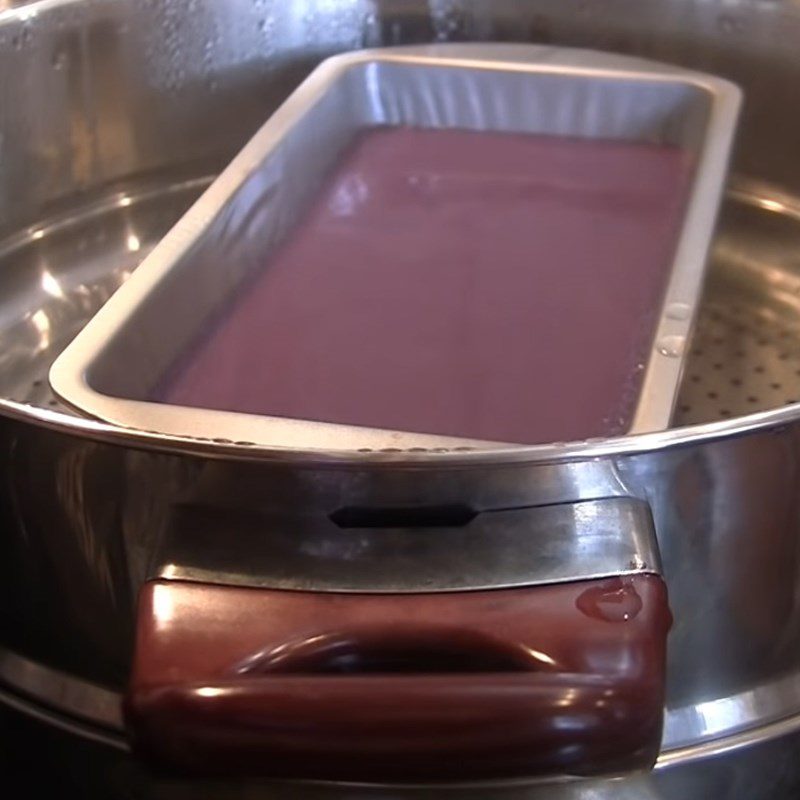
column 112, row 366
column 58, row 272
column 725, row 723
column 83, row 505
column 67, row 701
column 457, row 550
column 745, row 353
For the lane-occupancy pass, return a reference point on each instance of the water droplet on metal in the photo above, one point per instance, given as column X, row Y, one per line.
column 679, row 311
column 615, row 601
column 672, row 346
column 59, row 60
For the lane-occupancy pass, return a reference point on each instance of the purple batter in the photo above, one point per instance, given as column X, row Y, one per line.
column 484, row 285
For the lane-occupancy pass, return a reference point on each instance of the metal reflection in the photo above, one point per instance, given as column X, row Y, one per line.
column 51, row 285
column 41, row 322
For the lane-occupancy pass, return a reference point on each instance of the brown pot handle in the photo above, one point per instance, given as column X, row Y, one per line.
column 564, row 679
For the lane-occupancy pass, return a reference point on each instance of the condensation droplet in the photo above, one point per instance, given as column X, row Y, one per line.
column 679, row 311
column 672, row 346
column 615, row 601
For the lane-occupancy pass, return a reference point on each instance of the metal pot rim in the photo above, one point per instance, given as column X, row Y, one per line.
column 557, row 452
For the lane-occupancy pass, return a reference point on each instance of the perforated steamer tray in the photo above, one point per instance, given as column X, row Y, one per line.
column 112, row 367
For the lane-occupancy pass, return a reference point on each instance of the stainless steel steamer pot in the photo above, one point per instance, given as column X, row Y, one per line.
column 144, row 102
